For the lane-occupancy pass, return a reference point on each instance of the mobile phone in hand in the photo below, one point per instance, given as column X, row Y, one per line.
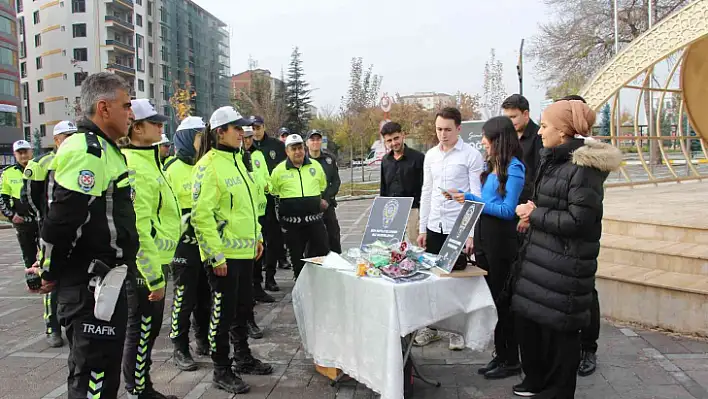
column 34, row 281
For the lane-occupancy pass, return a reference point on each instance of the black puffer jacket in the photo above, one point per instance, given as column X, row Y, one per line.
column 557, row 275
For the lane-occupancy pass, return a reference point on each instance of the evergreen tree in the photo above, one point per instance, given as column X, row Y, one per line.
column 36, row 143
column 298, row 96
column 605, row 125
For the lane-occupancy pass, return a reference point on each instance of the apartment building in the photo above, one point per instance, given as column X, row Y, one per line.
column 10, row 105
column 430, row 100
column 62, row 41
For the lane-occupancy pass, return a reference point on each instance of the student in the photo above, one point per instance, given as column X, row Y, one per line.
column 225, row 220
column 157, row 219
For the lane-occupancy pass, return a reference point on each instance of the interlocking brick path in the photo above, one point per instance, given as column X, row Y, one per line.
column 632, row 363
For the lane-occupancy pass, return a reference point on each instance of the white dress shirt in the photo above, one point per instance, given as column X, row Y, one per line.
column 461, row 168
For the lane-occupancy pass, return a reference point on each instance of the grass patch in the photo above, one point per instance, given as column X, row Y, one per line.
column 366, row 188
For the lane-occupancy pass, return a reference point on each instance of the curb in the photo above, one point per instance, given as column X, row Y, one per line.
column 355, row 198
column 5, row 226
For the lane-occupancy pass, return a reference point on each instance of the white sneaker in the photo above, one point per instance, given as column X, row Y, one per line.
column 426, row 336
column 457, row 343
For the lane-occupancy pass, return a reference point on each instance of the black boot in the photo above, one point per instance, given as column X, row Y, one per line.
column 254, row 331
column 503, row 370
column 202, row 347
column 588, row 364
column 260, row 295
column 247, row 364
column 54, row 340
column 183, row 359
column 494, row 363
column 271, row 285
column 226, row 380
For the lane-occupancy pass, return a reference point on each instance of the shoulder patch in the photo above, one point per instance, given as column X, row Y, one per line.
column 272, row 154
column 28, row 173
column 257, row 163
column 312, row 171
column 86, row 180
column 93, row 145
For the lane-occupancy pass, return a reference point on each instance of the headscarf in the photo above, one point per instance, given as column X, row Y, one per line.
column 571, row 117
column 184, row 143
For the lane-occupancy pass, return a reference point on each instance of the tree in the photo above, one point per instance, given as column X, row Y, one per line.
column 469, row 106
column 73, row 109
column 182, row 98
column 264, row 96
column 36, row 142
column 298, row 96
column 605, row 124
column 572, row 85
column 494, row 91
column 580, row 39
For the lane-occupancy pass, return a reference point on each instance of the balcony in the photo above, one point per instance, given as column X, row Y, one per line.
column 118, row 68
column 124, row 4
column 119, row 24
column 120, row 46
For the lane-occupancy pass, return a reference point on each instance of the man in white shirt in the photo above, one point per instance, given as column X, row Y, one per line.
column 452, row 163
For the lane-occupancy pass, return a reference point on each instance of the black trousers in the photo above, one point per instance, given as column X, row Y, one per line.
column 202, row 309
column 260, row 264
column 190, row 290
column 273, row 238
column 230, row 308
column 50, row 313
column 495, row 249
column 28, row 237
column 333, row 231
column 590, row 334
column 144, row 323
column 305, row 241
column 95, row 346
column 550, row 359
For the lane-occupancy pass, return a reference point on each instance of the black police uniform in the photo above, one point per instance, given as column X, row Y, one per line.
column 90, row 216
column 329, row 164
column 274, row 152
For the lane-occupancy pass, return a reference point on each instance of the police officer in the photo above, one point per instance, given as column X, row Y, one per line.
column 191, row 288
column 225, row 220
column 329, row 164
column 284, row 132
column 275, row 255
column 300, row 183
column 90, row 217
column 34, row 194
column 164, row 145
column 158, row 223
column 13, row 208
column 262, row 178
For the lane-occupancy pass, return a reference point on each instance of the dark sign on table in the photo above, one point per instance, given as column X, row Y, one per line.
column 455, row 242
column 387, row 220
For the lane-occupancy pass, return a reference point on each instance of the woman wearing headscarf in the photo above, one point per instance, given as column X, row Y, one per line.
column 192, row 294
column 552, row 292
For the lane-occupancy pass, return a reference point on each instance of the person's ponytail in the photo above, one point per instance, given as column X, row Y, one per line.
column 208, row 141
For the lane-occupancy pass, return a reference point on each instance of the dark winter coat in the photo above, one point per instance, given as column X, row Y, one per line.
column 557, row 272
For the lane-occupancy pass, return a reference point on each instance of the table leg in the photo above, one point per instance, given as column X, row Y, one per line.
column 408, row 344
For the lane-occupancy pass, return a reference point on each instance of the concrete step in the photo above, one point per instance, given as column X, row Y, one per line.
column 654, row 231
column 671, row 256
column 654, row 298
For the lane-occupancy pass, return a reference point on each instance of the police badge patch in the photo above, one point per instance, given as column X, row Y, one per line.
column 86, row 180
column 272, row 154
column 196, row 190
column 28, row 173
column 312, row 172
column 329, row 160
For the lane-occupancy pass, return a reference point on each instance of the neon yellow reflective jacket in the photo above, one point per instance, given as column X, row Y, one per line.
column 260, row 172
column 224, row 207
column 299, row 190
column 179, row 175
column 11, row 182
column 157, row 216
column 34, row 192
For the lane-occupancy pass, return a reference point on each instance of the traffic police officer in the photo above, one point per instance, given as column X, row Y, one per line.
column 329, row 165
column 34, row 194
column 274, row 152
column 13, row 208
column 299, row 184
column 192, row 294
column 225, row 220
column 90, row 217
column 158, row 223
column 262, row 178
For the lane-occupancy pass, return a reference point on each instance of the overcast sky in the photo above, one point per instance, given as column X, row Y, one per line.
column 414, row 44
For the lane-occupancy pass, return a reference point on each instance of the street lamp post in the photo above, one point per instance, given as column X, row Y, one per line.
column 520, row 68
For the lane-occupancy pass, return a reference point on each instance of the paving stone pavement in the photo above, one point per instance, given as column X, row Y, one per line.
column 632, row 363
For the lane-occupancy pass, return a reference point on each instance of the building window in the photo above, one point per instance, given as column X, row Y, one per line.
column 165, row 92
column 78, row 6
column 20, row 6
column 41, row 108
column 81, row 54
column 138, row 41
column 23, row 69
column 79, row 30
column 165, row 72
column 149, row 49
column 140, row 65
column 39, row 62
column 26, row 114
column 141, row 85
column 23, row 49
column 163, row 14
column 151, row 72
column 25, row 91
column 40, row 85
column 27, row 133
column 79, row 78
column 43, row 130
column 6, row 26
column 138, row 20
column 139, row 2
column 8, row 119
column 8, row 87
column 149, row 29
column 35, row 17
column 164, row 53
column 152, row 91
column 37, row 40
column 149, row 7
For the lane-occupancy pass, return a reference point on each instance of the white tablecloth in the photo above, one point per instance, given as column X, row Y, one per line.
column 356, row 324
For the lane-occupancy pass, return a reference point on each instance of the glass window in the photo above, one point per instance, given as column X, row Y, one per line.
column 79, row 78
column 141, row 85
column 43, row 130
column 40, row 85
column 79, row 30
column 81, row 54
column 6, row 25
column 149, row 49
column 7, row 87
column 41, row 108
column 8, row 119
column 78, row 6
column 37, row 40
column 23, row 69
column 6, row 56
column 39, row 62
column 138, row 20
column 35, row 17
column 149, row 28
